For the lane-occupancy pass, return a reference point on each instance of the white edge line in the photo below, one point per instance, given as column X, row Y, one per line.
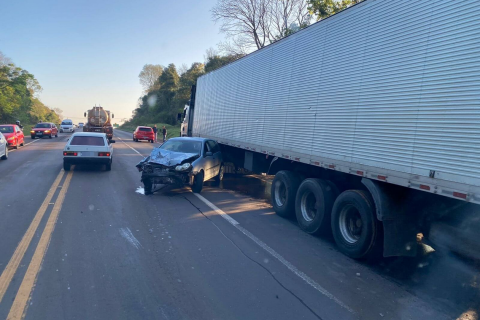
column 26, row 144
column 276, row 255
column 217, row 210
column 130, row 146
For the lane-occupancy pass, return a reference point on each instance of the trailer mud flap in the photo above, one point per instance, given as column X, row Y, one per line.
column 399, row 223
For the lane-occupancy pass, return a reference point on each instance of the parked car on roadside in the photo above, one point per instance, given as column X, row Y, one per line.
column 182, row 161
column 13, row 134
column 143, row 133
column 88, row 148
column 3, row 147
column 44, row 129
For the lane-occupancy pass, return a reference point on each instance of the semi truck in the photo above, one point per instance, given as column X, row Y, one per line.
column 99, row 120
column 369, row 120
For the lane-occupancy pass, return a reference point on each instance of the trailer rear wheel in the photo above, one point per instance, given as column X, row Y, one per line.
column 355, row 227
column 283, row 193
column 313, row 205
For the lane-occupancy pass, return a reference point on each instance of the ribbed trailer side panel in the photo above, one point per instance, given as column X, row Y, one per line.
column 380, row 85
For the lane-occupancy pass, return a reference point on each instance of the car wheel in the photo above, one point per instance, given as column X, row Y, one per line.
column 66, row 166
column 50, row 136
column 33, row 137
column 56, row 135
column 23, row 143
column 5, row 156
column 147, row 186
column 108, row 167
column 151, row 141
column 16, row 145
column 198, row 182
column 356, row 229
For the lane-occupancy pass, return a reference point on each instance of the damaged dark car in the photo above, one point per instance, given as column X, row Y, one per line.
column 180, row 162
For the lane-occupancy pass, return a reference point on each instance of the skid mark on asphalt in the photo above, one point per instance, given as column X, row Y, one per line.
column 128, row 235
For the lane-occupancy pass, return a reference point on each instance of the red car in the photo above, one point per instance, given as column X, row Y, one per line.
column 143, row 133
column 13, row 134
column 44, row 129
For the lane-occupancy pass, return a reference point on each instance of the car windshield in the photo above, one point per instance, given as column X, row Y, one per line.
column 42, row 125
column 87, row 141
column 145, row 129
column 184, row 146
column 6, row 129
column 66, row 123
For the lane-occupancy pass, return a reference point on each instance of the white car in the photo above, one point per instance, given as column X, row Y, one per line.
column 88, row 148
column 3, row 147
column 67, row 126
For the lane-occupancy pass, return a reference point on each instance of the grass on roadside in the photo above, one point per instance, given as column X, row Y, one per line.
column 172, row 131
column 27, row 128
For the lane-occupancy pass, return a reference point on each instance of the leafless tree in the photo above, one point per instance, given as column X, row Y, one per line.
column 149, row 76
column 253, row 24
column 182, row 69
column 285, row 13
column 245, row 22
column 4, row 60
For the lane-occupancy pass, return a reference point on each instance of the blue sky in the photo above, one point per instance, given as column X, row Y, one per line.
column 85, row 52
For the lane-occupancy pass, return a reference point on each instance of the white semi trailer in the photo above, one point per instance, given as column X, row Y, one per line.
column 370, row 121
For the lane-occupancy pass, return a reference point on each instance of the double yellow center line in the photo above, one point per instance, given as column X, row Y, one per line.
column 20, row 303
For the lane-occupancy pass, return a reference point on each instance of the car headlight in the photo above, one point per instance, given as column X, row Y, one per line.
column 183, row 167
column 32, row 131
column 47, row 131
column 11, row 138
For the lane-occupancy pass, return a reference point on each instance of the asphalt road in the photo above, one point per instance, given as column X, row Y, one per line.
column 86, row 245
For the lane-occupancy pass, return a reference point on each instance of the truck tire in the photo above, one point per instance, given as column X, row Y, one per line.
column 313, row 205
column 355, row 227
column 198, row 182
column 283, row 193
column 66, row 166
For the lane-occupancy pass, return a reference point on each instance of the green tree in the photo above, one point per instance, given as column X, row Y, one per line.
column 215, row 61
column 18, row 90
column 324, row 8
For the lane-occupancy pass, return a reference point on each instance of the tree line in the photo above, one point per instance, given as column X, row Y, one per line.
column 249, row 25
column 19, row 91
column 167, row 89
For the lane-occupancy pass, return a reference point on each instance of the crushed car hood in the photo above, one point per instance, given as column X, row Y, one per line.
column 168, row 158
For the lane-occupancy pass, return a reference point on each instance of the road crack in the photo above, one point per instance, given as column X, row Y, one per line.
column 256, row 262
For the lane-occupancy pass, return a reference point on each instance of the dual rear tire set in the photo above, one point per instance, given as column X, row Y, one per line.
column 320, row 209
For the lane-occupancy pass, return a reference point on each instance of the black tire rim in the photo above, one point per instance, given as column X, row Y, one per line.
column 350, row 224
column 280, row 193
column 308, row 206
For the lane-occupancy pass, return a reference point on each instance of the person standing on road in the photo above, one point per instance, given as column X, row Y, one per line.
column 164, row 131
column 155, row 132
